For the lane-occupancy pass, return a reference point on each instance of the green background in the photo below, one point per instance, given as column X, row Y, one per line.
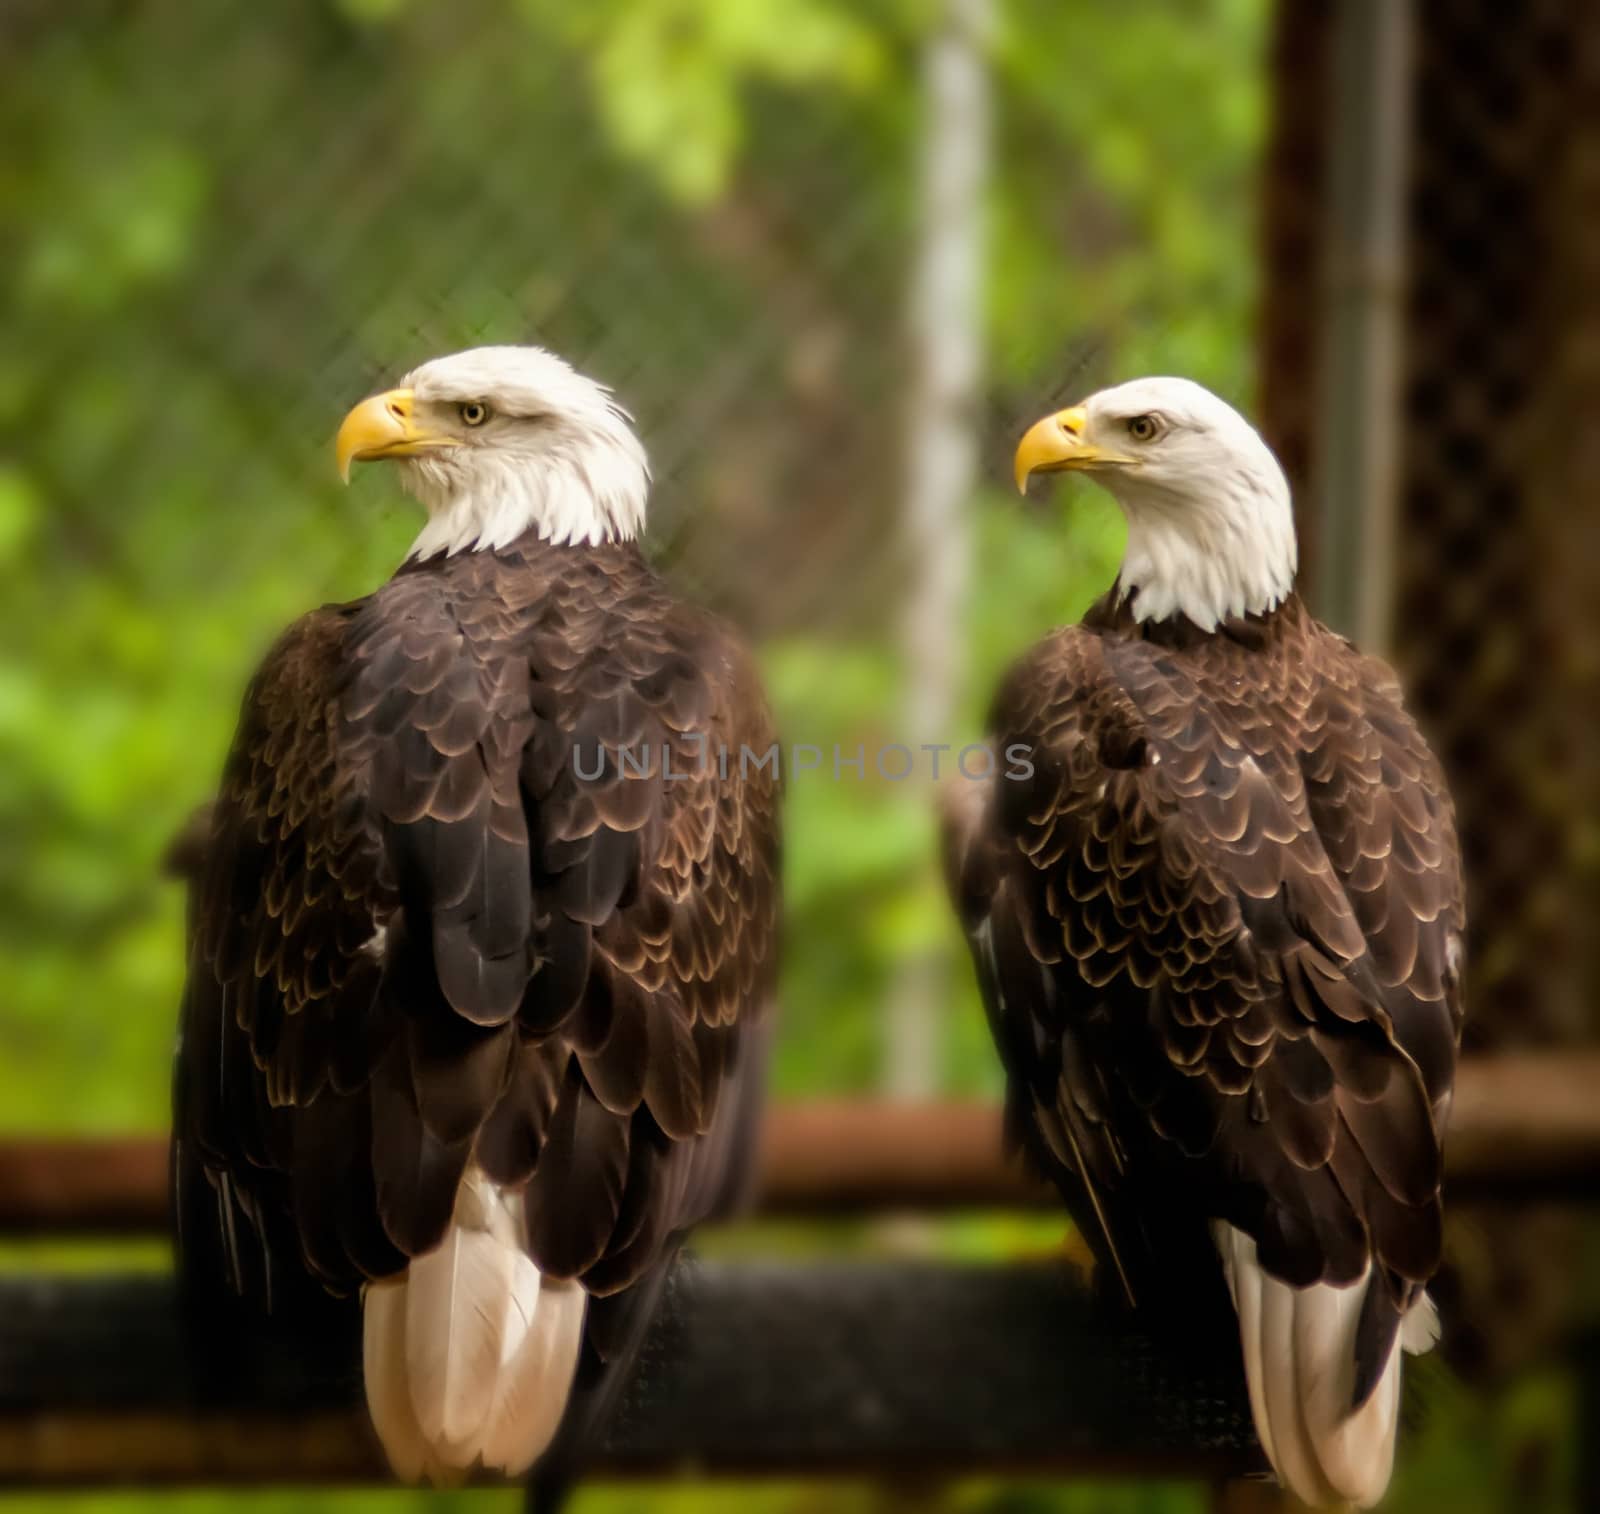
column 223, row 224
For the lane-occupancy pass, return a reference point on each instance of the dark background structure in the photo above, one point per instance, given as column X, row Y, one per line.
column 1493, row 596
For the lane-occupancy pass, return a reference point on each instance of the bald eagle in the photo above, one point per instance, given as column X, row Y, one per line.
column 1217, row 920
column 484, row 942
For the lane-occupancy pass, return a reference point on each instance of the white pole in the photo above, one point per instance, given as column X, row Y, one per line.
column 946, row 339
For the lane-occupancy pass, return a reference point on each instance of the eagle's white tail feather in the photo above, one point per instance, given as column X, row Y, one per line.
column 456, row 1300
column 1246, row 1286
column 1419, row 1330
column 383, row 1339
column 1299, row 1356
column 469, row 1353
column 1283, row 1395
column 535, row 1379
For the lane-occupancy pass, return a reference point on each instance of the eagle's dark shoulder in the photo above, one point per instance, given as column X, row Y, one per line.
column 1214, row 924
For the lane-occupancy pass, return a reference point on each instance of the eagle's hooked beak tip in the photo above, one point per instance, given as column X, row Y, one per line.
column 382, row 426
column 1055, row 444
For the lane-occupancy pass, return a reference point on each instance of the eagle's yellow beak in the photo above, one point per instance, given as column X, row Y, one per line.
column 384, row 426
column 1056, row 443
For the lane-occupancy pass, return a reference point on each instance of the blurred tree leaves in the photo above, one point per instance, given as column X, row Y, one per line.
column 111, row 232
column 1132, row 229
column 227, row 226
column 669, row 76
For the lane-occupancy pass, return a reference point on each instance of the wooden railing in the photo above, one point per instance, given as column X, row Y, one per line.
column 1521, row 1126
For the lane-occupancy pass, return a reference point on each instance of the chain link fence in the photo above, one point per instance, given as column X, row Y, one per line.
column 227, row 223
column 305, row 201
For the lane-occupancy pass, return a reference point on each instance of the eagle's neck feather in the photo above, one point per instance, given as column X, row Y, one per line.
column 1287, row 622
column 1227, row 550
column 568, row 496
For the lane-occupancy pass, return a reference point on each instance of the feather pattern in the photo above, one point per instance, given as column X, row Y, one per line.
column 536, row 1376
column 451, row 969
column 457, row 1299
column 1301, row 1377
column 1218, row 928
column 469, row 1354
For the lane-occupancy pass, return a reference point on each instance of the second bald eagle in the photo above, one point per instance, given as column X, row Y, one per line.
column 1218, row 923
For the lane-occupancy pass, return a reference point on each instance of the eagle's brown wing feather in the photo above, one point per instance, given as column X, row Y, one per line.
column 1190, row 936
column 423, row 939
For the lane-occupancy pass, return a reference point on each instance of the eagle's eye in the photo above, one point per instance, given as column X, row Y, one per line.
column 1144, row 428
column 474, row 412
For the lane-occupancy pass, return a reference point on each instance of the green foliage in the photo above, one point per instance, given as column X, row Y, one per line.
column 1131, row 243
column 1509, row 1446
column 225, row 222
column 669, row 77
column 192, row 313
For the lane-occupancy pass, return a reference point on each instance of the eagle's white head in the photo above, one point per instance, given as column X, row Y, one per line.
column 1210, row 528
column 498, row 441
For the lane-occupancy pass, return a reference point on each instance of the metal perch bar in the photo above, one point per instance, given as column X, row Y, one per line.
column 751, row 1369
